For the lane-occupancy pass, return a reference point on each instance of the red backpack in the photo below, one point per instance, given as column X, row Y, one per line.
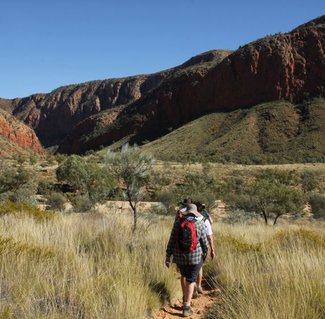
column 186, row 239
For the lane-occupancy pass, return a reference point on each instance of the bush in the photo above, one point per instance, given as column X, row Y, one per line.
column 17, row 185
column 56, row 201
column 168, row 199
column 45, row 187
column 317, row 203
column 309, row 181
column 33, row 158
column 81, row 203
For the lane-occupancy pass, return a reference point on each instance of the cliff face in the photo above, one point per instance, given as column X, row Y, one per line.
column 284, row 66
column 53, row 115
column 14, row 131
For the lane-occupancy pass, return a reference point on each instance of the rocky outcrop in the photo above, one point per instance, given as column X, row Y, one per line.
column 14, row 131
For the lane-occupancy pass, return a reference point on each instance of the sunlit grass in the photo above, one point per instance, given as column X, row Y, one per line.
column 92, row 266
column 83, row 266
column 269, row 272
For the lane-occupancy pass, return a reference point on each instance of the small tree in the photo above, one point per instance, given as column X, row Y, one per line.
column 131, row 168
column 271, row 198
column 271, row 194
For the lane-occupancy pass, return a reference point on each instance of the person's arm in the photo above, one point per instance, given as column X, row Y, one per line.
column 210, row 240
column 210, row 237
column 203, row 239
column 171, row 244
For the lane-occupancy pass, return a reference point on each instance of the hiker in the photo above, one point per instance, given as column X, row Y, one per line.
column 209, row 233
column 206, row 213
column 183, row 205
column 188, row 251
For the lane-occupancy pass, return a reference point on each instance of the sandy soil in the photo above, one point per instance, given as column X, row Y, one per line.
column 200, row 305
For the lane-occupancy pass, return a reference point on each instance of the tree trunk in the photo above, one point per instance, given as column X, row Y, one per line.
column 265, row 216
column 135, row 219
column 134, row 209
column 276, row 218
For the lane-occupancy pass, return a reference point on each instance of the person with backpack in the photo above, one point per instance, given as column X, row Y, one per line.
column 207, row 222
column 206, row 214
column 188, row 244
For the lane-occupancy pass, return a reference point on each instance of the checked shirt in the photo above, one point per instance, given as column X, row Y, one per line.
column 194, row 257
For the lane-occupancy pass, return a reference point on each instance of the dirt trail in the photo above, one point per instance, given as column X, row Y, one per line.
column 199, row 306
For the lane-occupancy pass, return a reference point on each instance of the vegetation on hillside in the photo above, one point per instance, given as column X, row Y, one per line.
column 271, row 133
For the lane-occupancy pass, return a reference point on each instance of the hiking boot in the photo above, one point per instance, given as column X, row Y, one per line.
column 199, row 289
column 187, row 311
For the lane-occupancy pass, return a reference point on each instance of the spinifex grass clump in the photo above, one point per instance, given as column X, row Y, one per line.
column 269, row 273
column 23, row 210
column 9, row 246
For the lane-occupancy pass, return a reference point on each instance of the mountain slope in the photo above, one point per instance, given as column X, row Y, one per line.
column 274, row 132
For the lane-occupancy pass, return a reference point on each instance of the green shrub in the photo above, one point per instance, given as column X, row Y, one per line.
column 87, row 177
column 169, row 199
column 45, row 187
column 81, row 203
column 24, row 209
column 33, row 158
column 56, row 201
column 317, row 203
column 309, row 181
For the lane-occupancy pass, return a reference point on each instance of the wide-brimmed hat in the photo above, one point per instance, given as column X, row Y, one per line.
column 191, row 209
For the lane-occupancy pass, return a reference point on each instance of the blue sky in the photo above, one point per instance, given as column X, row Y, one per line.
column 46, row 44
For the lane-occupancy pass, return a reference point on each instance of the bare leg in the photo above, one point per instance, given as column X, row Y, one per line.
column 188, row 293
column 183, row 283
column 199, row 277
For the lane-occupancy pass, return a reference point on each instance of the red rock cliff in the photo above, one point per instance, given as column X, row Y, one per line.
column 19, row 133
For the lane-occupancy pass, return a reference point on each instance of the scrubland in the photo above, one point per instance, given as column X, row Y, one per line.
column 91, row 266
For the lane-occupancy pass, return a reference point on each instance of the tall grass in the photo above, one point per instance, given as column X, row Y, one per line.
column 83, row 266
column 269, row 272
column 91, row 266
